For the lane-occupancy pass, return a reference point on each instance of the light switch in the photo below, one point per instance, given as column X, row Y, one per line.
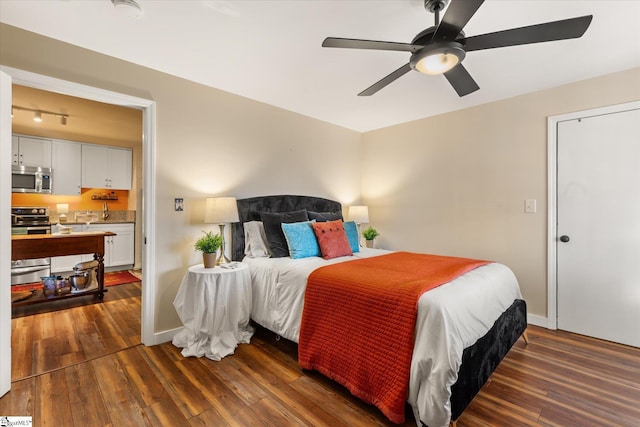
column 530, row 206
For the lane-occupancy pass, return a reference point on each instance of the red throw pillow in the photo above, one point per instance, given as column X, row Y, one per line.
column 332, row 239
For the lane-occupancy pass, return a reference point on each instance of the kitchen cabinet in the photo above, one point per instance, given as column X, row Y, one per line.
column 60, row 264
column 66, row 161
column 29, row 151
column 106, row 167
column 119, row 249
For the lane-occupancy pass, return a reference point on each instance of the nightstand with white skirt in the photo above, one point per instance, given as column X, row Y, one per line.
column 214, row 305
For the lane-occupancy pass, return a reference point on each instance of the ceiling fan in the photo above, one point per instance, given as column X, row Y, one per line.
column 440, row 49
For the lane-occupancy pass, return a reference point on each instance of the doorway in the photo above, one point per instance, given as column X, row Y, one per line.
column 594, row 223
column 50, row 84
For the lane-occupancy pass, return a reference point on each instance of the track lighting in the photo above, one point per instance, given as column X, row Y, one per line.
column 37, row 114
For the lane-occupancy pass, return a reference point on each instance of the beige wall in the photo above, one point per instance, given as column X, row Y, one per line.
column 456, row 183
column 452, row 184
column 209, row 143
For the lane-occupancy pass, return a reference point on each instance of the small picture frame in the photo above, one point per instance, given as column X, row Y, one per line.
column 178, row 204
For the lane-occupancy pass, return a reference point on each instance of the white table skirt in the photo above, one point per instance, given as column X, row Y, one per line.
column 214, row 305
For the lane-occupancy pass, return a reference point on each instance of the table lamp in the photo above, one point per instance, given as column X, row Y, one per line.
column 221, row 211
column 63, row 210
column 359, row 215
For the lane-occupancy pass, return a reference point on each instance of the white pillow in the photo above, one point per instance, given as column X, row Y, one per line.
column 255, row 241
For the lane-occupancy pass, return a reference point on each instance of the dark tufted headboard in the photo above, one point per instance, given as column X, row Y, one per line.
column 249, row 210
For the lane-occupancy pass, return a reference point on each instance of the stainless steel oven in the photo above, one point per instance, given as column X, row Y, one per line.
column 30, row 220
column 29, row 270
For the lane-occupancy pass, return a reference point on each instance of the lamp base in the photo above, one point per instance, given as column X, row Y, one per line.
column 222, row 259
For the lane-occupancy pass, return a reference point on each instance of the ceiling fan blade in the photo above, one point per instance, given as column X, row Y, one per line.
column 455, row 18
column 461, row 80
column 386, row 80
column 369, row 44
column 550, row 31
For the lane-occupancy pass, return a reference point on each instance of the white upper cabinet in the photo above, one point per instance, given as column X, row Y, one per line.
column 28, row 151
column 15, row 150
column 106, row 167
column 66, row 160
column 95, row 170
column 120, row 161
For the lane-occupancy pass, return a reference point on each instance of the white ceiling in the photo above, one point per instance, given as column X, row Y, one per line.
column 271, row 51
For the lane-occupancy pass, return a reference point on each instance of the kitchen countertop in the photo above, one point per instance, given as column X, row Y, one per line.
column 59, row 235
column 115, row 221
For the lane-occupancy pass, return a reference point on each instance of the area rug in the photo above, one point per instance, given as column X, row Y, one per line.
column 113, row 278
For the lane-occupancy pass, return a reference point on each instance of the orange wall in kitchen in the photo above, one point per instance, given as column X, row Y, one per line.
column 76, row 203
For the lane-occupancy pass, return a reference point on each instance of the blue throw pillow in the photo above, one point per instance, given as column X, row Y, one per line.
column 301, row 239
column 352, row 234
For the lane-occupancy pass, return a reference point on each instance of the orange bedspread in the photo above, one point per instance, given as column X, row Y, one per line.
column 359, row 319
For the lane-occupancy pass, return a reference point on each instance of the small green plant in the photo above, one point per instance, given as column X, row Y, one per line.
column 370, row 233
column 209, row 243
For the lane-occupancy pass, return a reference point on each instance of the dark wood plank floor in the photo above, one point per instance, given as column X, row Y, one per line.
column 84, row 366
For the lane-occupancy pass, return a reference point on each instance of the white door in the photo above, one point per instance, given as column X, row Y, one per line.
column 35, row 152
column 122, row 246
column 598, row 228
column 120, row 162
column 66, row 160
column 95, row 169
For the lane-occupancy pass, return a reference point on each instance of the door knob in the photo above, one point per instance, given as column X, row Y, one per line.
column 564, row 239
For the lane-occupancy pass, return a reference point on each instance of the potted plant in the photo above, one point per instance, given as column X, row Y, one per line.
column 370, row 234
column 209, row 245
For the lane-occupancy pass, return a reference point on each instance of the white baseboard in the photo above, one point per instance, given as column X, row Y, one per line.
column 165, row 336
column 534, row 319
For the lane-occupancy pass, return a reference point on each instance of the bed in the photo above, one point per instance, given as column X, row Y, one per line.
column 449, row 364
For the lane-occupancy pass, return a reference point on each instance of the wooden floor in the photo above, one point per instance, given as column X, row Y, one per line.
column 84, row 366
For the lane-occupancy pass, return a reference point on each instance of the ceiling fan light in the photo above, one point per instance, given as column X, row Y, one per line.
column 437, row 58
column 438, row 63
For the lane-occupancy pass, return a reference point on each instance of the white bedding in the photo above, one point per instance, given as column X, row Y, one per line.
column 450, row 318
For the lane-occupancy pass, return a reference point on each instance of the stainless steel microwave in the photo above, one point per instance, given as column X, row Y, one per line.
column 29, row 179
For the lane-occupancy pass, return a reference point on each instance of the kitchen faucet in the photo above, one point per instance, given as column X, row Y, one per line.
column 105, row 211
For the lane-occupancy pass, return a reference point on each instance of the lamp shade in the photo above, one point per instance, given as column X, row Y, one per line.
column 221, row 210
column 359, row 214
column 62, row 208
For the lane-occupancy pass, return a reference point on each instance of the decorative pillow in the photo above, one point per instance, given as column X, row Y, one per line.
column 273, row 229
column 325, row 216
column 255, row 241
column 301, row 239
column 332, row 239
column 351, row 229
